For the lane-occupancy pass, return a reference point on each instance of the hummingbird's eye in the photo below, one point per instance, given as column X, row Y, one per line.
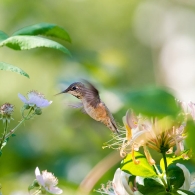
column 74, row 88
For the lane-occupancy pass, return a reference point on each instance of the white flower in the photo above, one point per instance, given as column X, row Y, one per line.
column 120, row 185
column 48, row 181
column 35, row 99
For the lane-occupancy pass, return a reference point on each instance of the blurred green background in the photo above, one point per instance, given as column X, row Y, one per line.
column 118, row 46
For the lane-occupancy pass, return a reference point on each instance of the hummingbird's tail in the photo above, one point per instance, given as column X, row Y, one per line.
column 115, row 127
column 110, row 123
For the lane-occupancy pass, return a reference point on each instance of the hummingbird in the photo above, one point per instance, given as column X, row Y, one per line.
column 91, row 103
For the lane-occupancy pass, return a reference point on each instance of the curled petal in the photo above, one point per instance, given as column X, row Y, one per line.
column 125, row 179
column 118, row 184
column 187, row 181
column 131, row 119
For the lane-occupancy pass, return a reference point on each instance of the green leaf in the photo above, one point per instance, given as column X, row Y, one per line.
column 3, row 36
column 30, row 42
column 172, row 193
column 176, row 176
column 132, row 180
column 149, row 186
column 143, row 169
column 174, row 159
column 45, row 29
column 9, row 67
column 184, row 192
column 153, row 102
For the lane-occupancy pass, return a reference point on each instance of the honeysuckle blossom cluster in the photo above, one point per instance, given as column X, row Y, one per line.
column 158, row 134
column 165, row 135
column 127, row 184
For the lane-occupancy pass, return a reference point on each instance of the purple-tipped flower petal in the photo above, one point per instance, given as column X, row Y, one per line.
column 35, row 99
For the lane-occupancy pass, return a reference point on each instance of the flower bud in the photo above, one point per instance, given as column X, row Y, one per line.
column 6, row 111
column 34, row 185
column 38, row 111
column 26, row 106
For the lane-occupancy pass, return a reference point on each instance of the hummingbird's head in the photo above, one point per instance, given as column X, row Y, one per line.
column 76, row 89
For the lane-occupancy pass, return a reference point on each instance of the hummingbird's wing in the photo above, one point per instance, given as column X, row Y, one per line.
column 78, row 105
column 91, row 95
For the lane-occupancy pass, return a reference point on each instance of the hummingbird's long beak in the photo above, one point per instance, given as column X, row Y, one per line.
column 65, row 91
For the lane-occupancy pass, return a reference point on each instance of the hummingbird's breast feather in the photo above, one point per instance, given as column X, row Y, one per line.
column 98, row 113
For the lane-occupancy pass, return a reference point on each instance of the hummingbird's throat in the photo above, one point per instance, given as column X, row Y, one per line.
column 78, row 96
column 75, row 94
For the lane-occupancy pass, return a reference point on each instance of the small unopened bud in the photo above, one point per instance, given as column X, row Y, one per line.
column 33, row 185
column 26, row 106
column 38, row 111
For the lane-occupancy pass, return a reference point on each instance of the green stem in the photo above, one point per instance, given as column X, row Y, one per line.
column 4, row 134
column 24, row 118
column 160, row 175
column 158, row 172
column 36, row 192
column 166, row 171
column 27, row 117
column 14, row 129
